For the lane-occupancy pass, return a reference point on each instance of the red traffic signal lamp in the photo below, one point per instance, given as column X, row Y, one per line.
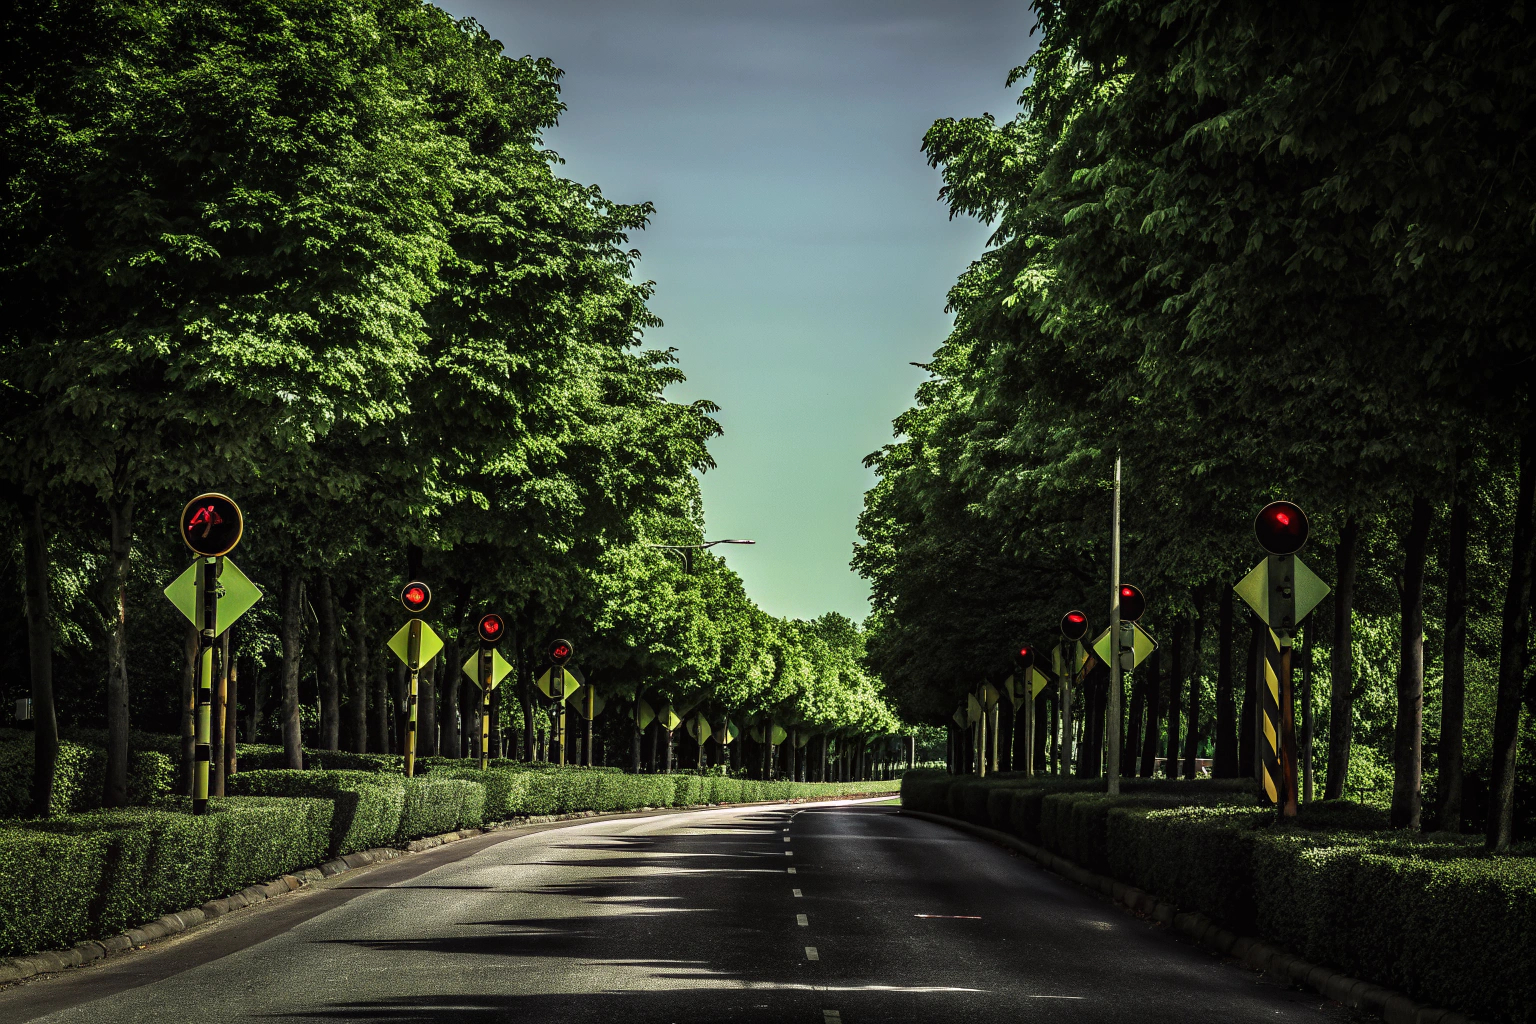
column 1281, row 527
column 560, row 652
column 491, row 628
column 1025, row 657
column 1074, row 625
column 1132, row 604
column 211, row 524
column 416, row 596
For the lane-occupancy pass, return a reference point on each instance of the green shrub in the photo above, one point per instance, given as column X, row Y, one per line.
column 67, row 879
column 368, row 804
column 48, row 883
column 78, row 777
column 435, row 804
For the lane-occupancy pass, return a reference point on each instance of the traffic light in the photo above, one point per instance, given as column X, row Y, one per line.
column 1074, row 625
column 416, row 596
column 1025, row 658
column 560, row 652
column 491, row 628
column 211, row 524
column 1281, row 528
column 1132, row 604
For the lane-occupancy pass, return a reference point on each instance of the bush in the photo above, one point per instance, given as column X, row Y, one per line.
column 369, row 805
column 87, row 875
column 436, row 803
column 78, row 777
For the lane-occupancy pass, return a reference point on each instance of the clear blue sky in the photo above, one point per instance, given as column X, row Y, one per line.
column 800, row 255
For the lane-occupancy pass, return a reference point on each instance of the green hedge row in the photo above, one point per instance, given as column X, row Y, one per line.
column 1429, row 915
column 89, row 875
column 78, row 777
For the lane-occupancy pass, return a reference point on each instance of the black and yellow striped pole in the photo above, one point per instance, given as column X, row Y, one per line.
column 1282, row 590
column 414, row 644
column 211, row 525
column 209, row 614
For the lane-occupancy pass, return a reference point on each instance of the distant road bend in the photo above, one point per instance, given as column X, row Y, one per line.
column 824, row 913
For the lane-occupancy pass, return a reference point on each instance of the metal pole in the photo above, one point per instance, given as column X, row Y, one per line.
column 1068, row 686
column 558, row 687
column 487, row 660
column 591, row 714
column 1116, row 646
column 1287, row 732
column 1026, row 701
column 981, row 741
column 413, row 662
column 206, row 634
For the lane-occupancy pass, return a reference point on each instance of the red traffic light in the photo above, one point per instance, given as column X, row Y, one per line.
column 1281, row 527
column 416, row 596
column 1074, row 625
column 491, row 628
column 1132, row 604
column 211, row 524
column 560, row 652
column 1026, row 656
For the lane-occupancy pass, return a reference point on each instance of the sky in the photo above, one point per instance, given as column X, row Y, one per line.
column 800, row 255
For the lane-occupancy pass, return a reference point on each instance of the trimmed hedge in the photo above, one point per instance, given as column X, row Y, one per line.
column 369, row 805
column 91, row 875
column 78, row 777
column 1430, row 915
column 436, row 803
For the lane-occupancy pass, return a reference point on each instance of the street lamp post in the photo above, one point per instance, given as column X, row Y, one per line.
column 684, row 551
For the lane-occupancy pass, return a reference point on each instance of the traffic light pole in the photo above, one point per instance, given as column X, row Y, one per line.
column 1117, row 645
column 487, row 673
column 557, row 691
column 413, row 661
column 1027, row 701
column 591, row 714
column 206, row 635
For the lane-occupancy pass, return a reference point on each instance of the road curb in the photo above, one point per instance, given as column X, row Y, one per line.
column 20, row 968
column 1392, row 1006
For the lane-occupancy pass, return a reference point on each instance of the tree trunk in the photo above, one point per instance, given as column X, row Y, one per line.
column 216, row 718
column 187, row 706
column 1408, row 732
column 1132, row 745
column 1307, row 724
column 1512, row 659
column 1196, row 663
column 291, row 639
column 378, row 739
column 45, row 723
column 1248, row 725
column 232, row 718
column 114, row 792
column 330, row 688
column 399, row 732
column 358, row 677
column 1453, row 692
column 428, row 726
column 1175, row 696
column 525, row 693
column 1341, row 701
column 1224, row 761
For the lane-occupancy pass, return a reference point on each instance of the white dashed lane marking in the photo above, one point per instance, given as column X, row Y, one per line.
column 790, row 870
column 796, row 892
column 802, row 920
column 811, row 954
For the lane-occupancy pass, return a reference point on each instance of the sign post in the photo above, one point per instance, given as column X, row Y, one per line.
column 211, row 593
column 486, row 668
column 559, row 653
column 1283, row 591
column 415, row 644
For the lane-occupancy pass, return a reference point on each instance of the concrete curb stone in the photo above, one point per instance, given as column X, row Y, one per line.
column 1393, row 1007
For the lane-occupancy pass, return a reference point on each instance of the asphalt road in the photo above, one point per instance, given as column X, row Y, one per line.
column 823, row 913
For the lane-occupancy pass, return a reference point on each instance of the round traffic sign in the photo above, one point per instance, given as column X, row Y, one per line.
column 491, row 628
column 1281, row 528
column 560, row 651
column 1074, row 625
column 416, row 596
column 1026, row 656
column 211, row 524
column 1132, row 604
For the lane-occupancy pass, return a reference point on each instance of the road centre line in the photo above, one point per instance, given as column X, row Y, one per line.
column 802, row 920
column 789, row 871
column 796, row 892
column 811, row 954
column 952, row 917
